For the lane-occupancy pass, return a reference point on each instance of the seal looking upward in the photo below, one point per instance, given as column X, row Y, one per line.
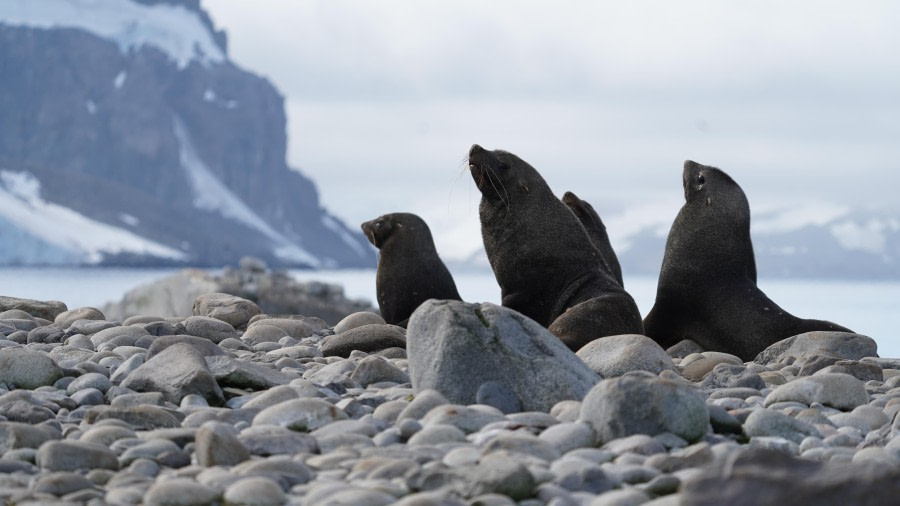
column 596, row 230
column 707, row 285
column 409, row 268
column 542, row 257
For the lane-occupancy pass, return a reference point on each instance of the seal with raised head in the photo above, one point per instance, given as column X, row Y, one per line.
column 409, row 268
column 596, row 230
column 707, row 285
column 546, row 265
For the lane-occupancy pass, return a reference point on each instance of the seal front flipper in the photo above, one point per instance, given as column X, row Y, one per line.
column 409, row 268
column 606, row 315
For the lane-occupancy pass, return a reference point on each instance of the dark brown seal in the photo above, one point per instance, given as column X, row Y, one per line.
column 707, row 285
column 542, row 257
column 596, row 230
column 409, row 268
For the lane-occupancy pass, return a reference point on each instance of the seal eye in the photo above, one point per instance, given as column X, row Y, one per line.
column 503, row 166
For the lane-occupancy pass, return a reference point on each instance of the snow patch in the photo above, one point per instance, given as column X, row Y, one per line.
column 868, row 237
column 65, row 228
column 210, row 194
column 90, row 106
column 173, row 29
column 119, row 81
column 209, row 95
column 332, row 224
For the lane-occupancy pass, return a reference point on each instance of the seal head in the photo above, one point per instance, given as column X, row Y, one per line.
column 409, row 268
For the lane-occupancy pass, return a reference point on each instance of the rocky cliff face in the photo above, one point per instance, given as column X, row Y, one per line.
column 128, row 137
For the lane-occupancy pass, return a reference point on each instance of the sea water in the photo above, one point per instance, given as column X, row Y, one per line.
column 866, row 307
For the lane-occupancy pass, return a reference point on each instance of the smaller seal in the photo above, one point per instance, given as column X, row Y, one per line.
column 707, row 284
column 409, row 268
column 596, row 230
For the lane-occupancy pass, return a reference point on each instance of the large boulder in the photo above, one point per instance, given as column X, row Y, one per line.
column 456, row 347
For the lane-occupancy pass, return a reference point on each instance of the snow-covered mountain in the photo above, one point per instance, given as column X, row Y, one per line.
column 127, row 136
column 803, row 240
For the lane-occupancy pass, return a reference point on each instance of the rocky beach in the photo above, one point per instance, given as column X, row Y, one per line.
column 471, row 404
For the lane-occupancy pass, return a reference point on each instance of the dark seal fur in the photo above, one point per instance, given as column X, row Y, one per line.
column 596, row 230
column 546, row 265
column 707, row 285
column 409, row 268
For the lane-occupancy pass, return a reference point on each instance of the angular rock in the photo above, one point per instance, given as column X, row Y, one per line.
column 177, row 371
column 230, row 372
column 232, row 310
column 616, row 355
column 639, row 404
column 455, row 347
column 840, row 391
column 24, row 368
column 767, row 422
column 217, row 444
column 368, row 338
column 837, row 344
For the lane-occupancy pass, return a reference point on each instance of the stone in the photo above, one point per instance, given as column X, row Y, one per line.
column 639, row 404
column 180, row 492
column 501, row 473
column 578, row 475
column 498, row 395
column 303, row 415
column 621, row 497
column 46, row 334
column 728, row 375
column 177, row 371
column 368, row 338
column 23, row 406
column 758, row 476
column 141, row 417
column 616, row 355
column 374, row 369
column 14, row 435
column 298, row 328
column 767, row 422
column 61, row 483
column 837, row 344
column 24, row 368
column 232, row 310
column 568, row 436
column 423, row 402
column 66, row 318
column 469, row 419
column 258, row 491
column 89, row 380
column 73, row 455
column 840, row 391
column 684, row 348
column 106, row 335
column 206, row 347
column 358, row 319
column 455, row 347
column 263, row 334
column 209, row 328
column 216, row 444
column 706, row 362
column 47, row 310
column 266, row 440
column 243, row 374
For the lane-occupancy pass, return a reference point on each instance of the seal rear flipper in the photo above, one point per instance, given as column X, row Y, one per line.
column 607, row 315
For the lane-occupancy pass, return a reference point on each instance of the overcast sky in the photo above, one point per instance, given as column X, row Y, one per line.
column 798, row 101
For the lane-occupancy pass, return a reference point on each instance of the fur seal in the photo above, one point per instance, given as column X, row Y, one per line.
column 409, row 268
column 707, row 285
column 596, row 230
column 546, row 265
